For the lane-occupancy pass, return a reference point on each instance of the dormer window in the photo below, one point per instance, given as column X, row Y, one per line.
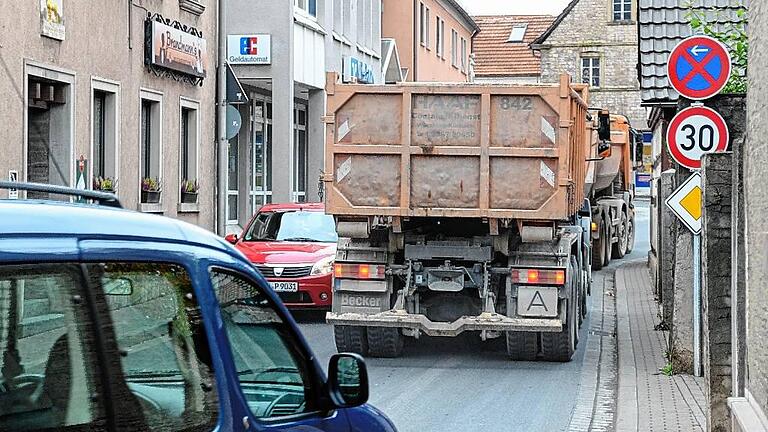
column 518, row 33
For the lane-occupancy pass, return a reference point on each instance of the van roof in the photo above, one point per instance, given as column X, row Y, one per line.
column 54, row 218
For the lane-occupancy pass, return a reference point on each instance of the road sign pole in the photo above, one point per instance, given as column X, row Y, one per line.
column 697, row 305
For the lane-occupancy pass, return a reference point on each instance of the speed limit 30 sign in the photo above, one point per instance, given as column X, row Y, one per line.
column 694, row 132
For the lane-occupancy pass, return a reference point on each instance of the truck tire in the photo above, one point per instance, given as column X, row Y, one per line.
column 522, row 346
column 620, row 247
column 580, row 292
column 385, row 342
column 631, row 235
column 559, row 347
column 351, row 339
column 608, row 236
column 598, row 248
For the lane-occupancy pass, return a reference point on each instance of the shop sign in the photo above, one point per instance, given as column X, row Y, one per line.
column 175, row 49
column 359, row 71
column 249, row 49
column 52, row 19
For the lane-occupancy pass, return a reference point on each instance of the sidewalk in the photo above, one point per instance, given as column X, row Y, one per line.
column 647, row 399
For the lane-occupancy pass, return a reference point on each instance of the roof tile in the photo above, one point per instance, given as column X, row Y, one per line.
column 494, row 56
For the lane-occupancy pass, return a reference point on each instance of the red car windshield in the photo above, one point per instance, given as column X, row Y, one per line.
column 301, row 226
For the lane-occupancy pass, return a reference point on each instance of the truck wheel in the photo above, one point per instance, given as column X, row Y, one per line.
column 631, row 235
column 598, row 248
column 351, row 339
column 620, row 247
column 579, row 290
column 560, row 346
column 385, row 342
column 608, row 235
column 522, row 346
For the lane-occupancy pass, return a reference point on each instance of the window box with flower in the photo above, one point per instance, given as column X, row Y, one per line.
column 189, row 190
column 105, row 184
column 150, row 190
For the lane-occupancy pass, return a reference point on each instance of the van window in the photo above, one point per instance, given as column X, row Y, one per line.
column 48, row 369
column 274, row 376
column 164, row 353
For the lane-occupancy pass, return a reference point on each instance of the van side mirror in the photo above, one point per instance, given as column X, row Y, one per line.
column 231, row 238
column 347, row 380
column 604, row 125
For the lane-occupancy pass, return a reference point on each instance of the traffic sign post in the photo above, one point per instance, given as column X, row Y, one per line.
column 699, row 67
column 685, row 203
column 694, row 132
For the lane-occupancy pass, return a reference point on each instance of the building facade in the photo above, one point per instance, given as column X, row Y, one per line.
column 433, row 38
column 502, row 52
column 281, row 63
column 595, row 41
column 86, row 99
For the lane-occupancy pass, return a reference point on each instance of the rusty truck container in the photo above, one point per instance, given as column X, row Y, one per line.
column 456, row 150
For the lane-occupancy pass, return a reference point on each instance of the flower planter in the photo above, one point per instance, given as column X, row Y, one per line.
column 188, row 197
column 150, row 197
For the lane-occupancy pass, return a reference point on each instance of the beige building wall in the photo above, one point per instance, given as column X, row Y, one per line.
column 103, row 47
column 613, row 43
column 401, row 20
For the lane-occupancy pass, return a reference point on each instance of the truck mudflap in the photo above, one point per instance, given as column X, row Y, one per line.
column 484, row 321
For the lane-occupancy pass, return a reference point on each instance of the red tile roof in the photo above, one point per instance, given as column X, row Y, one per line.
column 495, row 57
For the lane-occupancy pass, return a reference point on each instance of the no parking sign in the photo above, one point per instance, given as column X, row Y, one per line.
column 699, row 67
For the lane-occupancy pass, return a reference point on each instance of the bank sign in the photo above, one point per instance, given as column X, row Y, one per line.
column 249, row 49
column 361, row 72
column 177, row 50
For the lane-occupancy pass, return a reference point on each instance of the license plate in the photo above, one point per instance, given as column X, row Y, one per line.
column 284, row 286
column 537, row 301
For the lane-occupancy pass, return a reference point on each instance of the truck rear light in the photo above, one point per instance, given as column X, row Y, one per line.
column 359, row 271
column 538, row 276
column 594, row 226
column 533, row 276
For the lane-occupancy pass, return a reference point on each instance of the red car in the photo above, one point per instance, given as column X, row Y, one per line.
column 293, row 246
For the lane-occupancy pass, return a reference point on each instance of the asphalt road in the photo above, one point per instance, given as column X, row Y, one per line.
column 460, row 384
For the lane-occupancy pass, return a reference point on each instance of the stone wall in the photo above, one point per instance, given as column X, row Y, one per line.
column 756, row 203
column 716, row 286
column 616, row 46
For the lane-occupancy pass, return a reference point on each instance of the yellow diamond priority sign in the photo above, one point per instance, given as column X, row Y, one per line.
column 685, row 203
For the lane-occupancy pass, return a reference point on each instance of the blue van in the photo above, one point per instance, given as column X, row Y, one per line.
column 115, row 320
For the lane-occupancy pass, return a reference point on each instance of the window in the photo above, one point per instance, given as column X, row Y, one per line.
column 49, row 369
column 426, row 25
column 622, row 10
column 273, row 371
column 150, row 136
column 590, row 71
column 463, row 55
column 189, row 142
column 232, row 182
column 518, row 33
column 104, row 134
column 423, row 24
column 440, row 37
column 300, row 152
column 260, row 154
column 338, row 16
column 308, row 7
column 165, row 359
column 454, row 48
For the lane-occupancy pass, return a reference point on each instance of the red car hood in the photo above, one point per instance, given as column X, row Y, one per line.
column 286, row 252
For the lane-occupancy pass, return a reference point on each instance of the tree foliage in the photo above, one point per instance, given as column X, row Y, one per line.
column 733, row 34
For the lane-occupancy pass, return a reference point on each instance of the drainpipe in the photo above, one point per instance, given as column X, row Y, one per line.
column 416, row 36
column 221, row 123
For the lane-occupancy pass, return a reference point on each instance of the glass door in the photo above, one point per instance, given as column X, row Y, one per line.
column 300, row 153
column 260, row 154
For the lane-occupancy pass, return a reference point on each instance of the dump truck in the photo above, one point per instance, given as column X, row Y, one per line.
column 459, row 208
column 611, row 191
